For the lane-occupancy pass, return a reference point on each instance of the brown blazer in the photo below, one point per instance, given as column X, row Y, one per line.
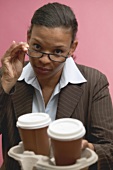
column 89, row 102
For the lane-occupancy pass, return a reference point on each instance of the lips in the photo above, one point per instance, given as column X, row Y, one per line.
column 42, row 70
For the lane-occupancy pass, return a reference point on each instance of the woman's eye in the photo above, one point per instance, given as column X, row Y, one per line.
column 36, row 46
column 58, row 51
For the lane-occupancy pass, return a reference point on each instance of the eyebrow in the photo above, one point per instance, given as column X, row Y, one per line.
column 56, row 46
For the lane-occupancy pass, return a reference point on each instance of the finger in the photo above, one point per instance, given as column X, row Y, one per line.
column 20, row 51
column 19, row 48
column 16, row 47
column 91, row 146
column 25, row 47
column 84, row 144
column 21, row 56
column 8, row 52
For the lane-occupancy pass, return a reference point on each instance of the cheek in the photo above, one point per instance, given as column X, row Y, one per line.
column 58, row 67
column 33, row 61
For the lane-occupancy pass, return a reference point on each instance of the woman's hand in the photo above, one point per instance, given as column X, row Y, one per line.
column 86, row 144
column 12, row 64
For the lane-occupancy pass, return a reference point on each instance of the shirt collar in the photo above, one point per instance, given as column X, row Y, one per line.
column 28, row 74
column 70, row 74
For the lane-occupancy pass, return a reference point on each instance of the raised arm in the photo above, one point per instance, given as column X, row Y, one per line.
column 12, row 64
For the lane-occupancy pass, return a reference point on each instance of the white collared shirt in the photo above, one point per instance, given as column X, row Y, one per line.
column 70, row 74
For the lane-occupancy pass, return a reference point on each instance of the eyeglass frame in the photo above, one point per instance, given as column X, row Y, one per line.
column 48, row 54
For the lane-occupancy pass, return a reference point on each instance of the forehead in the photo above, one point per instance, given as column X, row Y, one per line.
column 58, row 34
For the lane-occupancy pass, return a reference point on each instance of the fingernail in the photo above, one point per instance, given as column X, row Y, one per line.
column 25, row 48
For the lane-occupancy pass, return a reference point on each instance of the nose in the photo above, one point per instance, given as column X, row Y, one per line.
column 45, row 58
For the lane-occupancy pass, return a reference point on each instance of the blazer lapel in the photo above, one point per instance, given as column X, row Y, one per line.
column 68, row 100
column 22, row 98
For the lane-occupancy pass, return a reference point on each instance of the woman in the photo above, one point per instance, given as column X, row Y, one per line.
column 51, row 82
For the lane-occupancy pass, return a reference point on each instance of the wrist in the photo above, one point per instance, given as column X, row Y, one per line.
column 7, row 85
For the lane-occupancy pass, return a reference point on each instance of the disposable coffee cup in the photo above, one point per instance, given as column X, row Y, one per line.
column 33, row 132
column 66, row 137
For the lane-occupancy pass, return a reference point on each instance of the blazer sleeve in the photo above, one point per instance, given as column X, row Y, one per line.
column 101, row 124
column 4, row 98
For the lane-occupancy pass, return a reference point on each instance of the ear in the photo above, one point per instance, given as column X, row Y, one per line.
column 28, row 35
column 73, row 47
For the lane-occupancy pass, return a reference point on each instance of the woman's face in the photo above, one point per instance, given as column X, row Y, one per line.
column 49, row 40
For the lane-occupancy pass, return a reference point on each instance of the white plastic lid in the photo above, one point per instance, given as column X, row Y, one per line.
column 66, row 129
column 33, row 120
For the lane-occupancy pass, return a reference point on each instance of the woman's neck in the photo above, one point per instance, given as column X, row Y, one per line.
column 48, row 86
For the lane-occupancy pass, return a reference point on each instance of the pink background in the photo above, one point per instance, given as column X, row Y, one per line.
column 95, row 35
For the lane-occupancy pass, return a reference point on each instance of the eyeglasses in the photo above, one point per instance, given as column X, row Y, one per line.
column 53, row 57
